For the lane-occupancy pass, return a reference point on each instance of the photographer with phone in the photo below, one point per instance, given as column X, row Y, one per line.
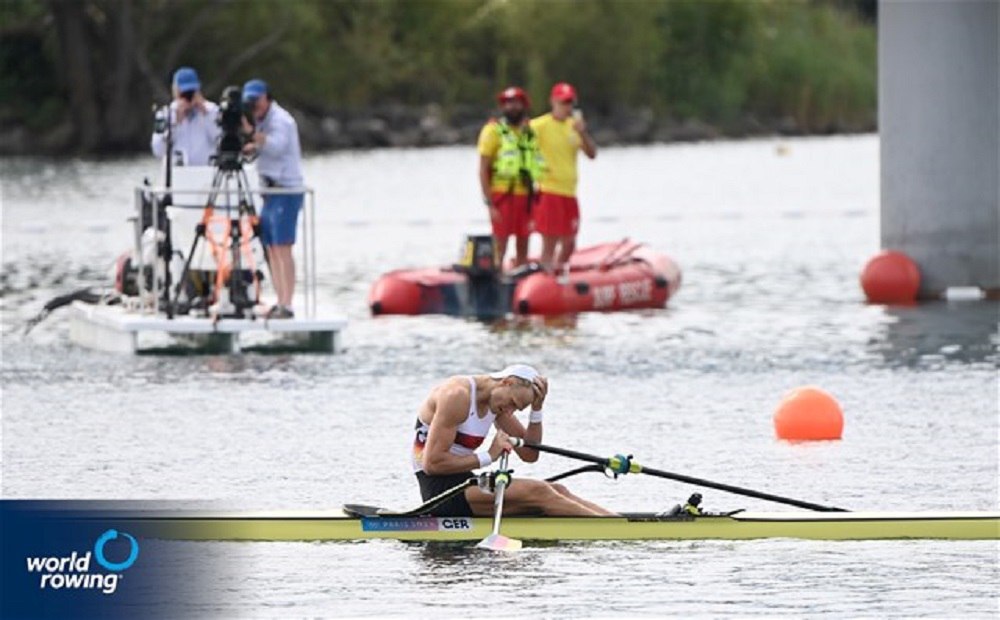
column 187, row 127
column 561, row 134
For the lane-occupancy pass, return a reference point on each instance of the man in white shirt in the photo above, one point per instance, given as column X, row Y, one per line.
column 275, row 140
column 191, row 123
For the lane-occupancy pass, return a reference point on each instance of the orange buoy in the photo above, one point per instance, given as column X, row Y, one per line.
column 808, row 413
column 891, row 277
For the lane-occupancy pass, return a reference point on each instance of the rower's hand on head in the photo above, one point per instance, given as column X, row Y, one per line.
column 501, row 443
column 540, row 386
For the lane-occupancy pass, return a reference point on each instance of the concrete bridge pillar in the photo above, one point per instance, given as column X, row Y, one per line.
column 939, row 125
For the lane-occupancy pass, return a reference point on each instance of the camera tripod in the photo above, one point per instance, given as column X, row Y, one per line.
column 230, row 291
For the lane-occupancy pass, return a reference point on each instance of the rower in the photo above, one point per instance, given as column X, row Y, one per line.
column 453, row 423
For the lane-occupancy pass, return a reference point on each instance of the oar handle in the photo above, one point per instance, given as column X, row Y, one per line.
column 518, row 442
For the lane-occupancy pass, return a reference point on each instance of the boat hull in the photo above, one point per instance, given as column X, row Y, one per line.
column 601, row 279
column 437, row 291
column 335, row 525
column 122, row 330
column 606, row 277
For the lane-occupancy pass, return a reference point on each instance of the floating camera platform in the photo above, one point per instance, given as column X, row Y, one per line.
column 185, row 236
column 118, row 329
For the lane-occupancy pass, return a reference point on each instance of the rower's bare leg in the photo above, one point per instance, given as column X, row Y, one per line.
column 599, row 509
column 527, row 496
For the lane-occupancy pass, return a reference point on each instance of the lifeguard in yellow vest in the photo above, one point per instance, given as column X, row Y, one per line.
column 510, row 166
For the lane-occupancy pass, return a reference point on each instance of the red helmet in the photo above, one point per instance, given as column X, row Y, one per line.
column 514, row 92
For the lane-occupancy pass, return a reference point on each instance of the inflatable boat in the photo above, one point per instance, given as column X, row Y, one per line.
column 623, row 275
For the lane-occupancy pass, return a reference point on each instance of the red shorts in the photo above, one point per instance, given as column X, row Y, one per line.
column 557, row 216
column 515, row 217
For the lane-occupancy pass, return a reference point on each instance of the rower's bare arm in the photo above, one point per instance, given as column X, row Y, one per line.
column 513, row 427
column 452, row 409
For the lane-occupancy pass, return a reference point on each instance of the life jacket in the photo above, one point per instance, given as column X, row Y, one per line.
column 518, row 158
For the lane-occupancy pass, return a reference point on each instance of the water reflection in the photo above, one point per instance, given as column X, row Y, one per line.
column 529, row 323
column 938, row 332
column 460, row 562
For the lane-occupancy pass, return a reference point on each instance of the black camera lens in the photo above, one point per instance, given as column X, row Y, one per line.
column 188, row 94
column 230, row 121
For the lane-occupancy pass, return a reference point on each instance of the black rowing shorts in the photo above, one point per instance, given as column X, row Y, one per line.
column 431, row 486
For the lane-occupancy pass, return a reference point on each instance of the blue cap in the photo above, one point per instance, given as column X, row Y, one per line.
column 186, row 79
column 254, row 89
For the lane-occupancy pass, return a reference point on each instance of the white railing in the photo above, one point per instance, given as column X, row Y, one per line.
column 306, row 285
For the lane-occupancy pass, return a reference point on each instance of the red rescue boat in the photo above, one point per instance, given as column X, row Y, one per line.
column 607, row 277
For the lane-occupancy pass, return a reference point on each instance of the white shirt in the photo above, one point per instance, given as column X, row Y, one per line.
column 280, row 159
column 195, row 137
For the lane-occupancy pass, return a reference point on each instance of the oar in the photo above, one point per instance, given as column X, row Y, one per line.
column 497, row 541
column 625, row 465
column 363, row 510
column 433, row 502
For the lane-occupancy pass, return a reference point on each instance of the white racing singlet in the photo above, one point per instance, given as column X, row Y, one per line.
column 470, row 434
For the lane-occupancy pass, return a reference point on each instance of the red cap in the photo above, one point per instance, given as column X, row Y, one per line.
column 514, row 92
column 563, row 91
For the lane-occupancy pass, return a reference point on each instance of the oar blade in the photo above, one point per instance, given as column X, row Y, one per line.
column 499, row 542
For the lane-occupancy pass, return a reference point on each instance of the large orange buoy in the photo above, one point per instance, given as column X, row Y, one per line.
column 808, row 413
column 891, row 277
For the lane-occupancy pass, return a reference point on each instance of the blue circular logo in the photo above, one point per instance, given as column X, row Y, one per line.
column 116, row 567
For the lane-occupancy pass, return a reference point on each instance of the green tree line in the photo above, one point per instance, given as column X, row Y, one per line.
column 88, row 70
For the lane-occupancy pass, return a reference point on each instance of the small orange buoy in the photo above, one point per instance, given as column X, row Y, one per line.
column 891, row 277
column 808, row 413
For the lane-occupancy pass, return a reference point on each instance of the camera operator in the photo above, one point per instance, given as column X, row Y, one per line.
column 191, row 123
column 275, row 140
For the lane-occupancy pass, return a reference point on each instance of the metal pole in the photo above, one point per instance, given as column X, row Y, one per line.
column 312, row 246
column 138, row 245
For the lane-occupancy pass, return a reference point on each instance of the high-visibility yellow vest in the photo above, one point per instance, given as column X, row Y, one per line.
column 518, row 158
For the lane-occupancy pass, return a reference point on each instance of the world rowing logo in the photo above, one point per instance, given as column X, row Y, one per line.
column 72, row 572
column 115, row 567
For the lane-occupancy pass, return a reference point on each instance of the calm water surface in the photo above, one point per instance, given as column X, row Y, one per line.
column 771, row 246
